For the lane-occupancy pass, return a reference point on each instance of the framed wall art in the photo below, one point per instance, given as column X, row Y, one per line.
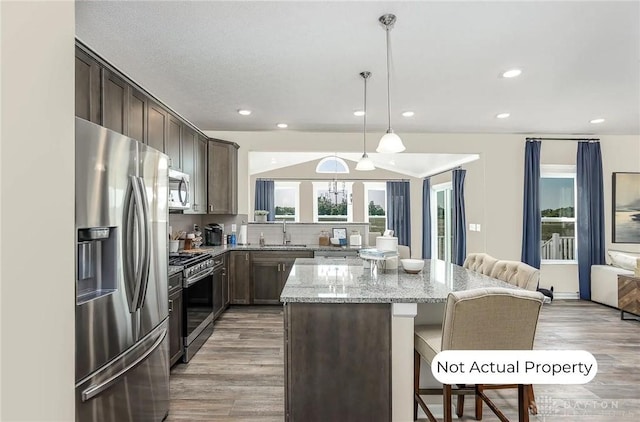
column 626, row 208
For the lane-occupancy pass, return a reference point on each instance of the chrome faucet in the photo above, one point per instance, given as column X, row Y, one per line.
column 284, row 232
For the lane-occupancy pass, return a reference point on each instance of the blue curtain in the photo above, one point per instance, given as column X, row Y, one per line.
column 426, row 218
column 531, row 235
column 265, row 197
column 399, row 211
column 459, row 220
column 590, row 213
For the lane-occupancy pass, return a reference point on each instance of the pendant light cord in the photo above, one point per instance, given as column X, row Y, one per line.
column 364, row 126
column 388, row 82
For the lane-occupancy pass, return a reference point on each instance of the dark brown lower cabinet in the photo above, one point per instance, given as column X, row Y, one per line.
column 337, row 362
column 269, row 272
column 240, row 278
column 176, row 347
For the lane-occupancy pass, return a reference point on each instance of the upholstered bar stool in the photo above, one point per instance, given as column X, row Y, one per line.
column 516, row 273
column 479, row 319
column 480, row 262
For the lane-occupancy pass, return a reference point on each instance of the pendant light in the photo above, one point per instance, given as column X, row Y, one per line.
column 365, row 162
column 390, row 142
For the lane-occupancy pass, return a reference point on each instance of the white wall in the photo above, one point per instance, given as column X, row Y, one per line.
column 37, row 305
column 493, row 186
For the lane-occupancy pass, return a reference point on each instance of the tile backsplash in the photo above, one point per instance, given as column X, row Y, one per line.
column 301, row 233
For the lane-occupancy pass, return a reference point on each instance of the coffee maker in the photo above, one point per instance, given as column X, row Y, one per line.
column 213, row 234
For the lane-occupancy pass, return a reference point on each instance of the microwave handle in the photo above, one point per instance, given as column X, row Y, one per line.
column 184, row 183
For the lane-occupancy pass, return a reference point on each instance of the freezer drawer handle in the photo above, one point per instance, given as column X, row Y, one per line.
column 94, row 390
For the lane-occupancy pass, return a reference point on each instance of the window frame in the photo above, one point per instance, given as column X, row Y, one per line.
column 322, row 185
column 561, row 171
column 288, row 185
column 374, row 186
column 447, row 188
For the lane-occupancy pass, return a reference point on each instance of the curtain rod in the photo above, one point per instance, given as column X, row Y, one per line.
column 318, row 179
column 563, row 139
column 443, row 172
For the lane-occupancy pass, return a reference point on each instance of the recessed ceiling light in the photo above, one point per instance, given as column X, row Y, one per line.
column 408, row 114
column 502, row 115
column 512, row 73
column 244, row 112
column 596, row 121
column 282, row 125
column 358, row 113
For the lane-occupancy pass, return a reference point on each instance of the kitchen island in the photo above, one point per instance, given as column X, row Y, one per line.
column 349, row 335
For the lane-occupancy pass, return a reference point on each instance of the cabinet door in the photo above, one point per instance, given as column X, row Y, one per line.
column 189, row 140
column 87, row 87
column 240, row 278
column 173, row 142
column 225, row 282
column 137, row 115
column 200, row 185
column 175, row 327
column 218, row 302
column 266, row 275
column 157, row 126
column 115, row 104
column 222, row 178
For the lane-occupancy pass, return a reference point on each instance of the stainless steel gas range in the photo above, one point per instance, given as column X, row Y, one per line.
column 202, row 297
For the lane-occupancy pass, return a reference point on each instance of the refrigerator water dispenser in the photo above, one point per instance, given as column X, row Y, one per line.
column 96, row 254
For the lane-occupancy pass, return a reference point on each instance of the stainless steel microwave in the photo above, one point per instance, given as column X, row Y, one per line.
column 179, row 190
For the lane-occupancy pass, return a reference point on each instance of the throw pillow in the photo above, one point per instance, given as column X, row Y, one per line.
column 623, row 260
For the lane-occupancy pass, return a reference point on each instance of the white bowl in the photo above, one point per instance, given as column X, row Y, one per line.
column 412, row 266
column 335, row 241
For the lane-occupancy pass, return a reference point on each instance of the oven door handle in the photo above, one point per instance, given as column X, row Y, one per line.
column 195, row 278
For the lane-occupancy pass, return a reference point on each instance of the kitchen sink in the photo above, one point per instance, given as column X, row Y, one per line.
column 280, row 245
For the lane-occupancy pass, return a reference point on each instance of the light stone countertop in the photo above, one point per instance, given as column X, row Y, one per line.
column 327, row 280
column 219, row 250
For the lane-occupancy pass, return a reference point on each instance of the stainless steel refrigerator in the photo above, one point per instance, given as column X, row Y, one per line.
column 122, row 349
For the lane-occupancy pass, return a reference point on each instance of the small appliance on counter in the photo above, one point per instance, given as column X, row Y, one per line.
column 213, row 234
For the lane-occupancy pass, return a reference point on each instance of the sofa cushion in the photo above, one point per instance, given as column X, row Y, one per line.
column 604, row 284
column 627, row 261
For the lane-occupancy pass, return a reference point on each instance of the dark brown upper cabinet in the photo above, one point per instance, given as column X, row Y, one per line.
column 138, row 102
column 115, row 102
column 222, row 186
column 157, row 126
column 87, row 87
column 173, row 148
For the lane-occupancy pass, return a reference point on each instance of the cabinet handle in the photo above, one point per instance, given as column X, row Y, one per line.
column 210, row 208
column 170, row 305
column 246, row 257
column 278, row 267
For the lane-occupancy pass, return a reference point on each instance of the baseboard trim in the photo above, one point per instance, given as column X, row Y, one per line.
column 566, row 295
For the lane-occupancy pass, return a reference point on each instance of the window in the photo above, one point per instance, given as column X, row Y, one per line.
column 287, row 201
column 442, row 216
column 332, row 165
column 375, row 205
column 334, row 205
column 558, row 212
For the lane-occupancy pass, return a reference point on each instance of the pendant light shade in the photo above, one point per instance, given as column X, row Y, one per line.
column 365, row 163
column 390, row 142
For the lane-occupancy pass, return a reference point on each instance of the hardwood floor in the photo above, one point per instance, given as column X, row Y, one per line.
column 238, row 374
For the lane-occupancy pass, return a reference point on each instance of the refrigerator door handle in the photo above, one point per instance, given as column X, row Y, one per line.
column 142, row 240
column 94, row 390
column 130, row 275
column 146, row 252
column 183, row 182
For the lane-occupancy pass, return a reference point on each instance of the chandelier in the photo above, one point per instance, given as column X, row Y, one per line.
column 335, row 188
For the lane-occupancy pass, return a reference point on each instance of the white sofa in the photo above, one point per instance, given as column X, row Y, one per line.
column 604, row 278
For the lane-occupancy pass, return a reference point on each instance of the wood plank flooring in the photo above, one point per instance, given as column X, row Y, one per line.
column 238, row 375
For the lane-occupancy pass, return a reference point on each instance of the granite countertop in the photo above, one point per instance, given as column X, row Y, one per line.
column 326, row 280
column 219, row 250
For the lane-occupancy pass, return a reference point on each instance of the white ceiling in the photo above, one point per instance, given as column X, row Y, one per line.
column 298, row 62
column 415, row 165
